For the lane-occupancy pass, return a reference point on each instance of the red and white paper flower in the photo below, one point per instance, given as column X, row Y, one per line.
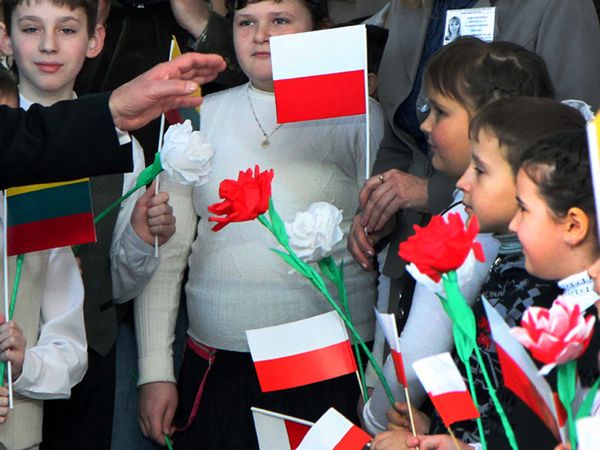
column 556, row 335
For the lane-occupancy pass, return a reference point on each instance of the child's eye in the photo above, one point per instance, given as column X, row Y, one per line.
column 244, row 23
column 478, row 170
column 67, row 30
column 280, row 21
column 30, row 29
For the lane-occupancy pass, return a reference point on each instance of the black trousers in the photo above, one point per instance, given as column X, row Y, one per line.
column 224, row 420
column 85, row 420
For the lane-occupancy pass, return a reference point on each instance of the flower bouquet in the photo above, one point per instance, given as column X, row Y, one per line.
column 309, row 238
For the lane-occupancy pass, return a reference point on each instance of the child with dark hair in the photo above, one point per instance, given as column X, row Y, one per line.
column 500, row 134
column 461, row 78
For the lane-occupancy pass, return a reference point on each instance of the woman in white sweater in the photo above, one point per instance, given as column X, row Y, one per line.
column 235, row 282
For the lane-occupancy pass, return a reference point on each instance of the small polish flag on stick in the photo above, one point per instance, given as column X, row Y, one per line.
column 446, row 388
column 278, row 431
column 300, row 353
column 521, row 375
column 387, row 323
column 322, row 74
column 334, row 432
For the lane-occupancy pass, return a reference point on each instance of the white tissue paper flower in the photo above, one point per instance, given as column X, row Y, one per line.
column 186, row 154
column 464, row 275
column 314, row 232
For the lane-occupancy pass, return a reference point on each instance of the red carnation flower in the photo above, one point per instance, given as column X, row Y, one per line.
column 441, row 246
column 244, row 199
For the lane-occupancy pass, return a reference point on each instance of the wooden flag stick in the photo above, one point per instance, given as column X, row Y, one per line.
column 410, row 413
column 454, row 439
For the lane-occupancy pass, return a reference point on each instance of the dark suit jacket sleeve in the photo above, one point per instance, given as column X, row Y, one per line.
column 68, row 140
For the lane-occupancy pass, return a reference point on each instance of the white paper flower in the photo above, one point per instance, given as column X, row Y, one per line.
column 314, row 232
column 464, row 275
column 186, row 154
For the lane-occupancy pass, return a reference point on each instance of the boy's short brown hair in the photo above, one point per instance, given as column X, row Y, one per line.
column 89, row 6
column 520, row 122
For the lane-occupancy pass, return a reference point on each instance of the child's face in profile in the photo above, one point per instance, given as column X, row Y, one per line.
column 539, row 231
column 447, row 130
column 49, row 44
column 254, row 24
column 488, row 186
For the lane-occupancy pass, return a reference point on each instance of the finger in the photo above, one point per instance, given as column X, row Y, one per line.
column 377, row 208
column 159, row 199
column 368, row 187
column 359, row 250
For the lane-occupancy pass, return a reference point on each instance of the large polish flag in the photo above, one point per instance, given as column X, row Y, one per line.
column 593, row 135
column 299, row 353
column 446, row 388
column 277, row 431
column 320, row 74
column 387, row 323
column 334, row 432
column 521, row 375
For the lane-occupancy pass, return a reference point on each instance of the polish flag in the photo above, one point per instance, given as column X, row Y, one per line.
column 593, row 137
column 387, row 323
column 521, row 375
column 446, row 388
column 320, row 74
column 278, row 431
column 334, row 432
column 299, row 353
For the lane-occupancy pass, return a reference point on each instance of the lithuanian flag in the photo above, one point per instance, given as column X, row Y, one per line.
column 44, row 216
column 593, row 135
column 182, row 114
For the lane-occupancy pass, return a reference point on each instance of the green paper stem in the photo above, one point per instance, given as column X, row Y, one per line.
column 13, row 301
column 461, row 314
column 277, row 228
column 566, row 379
column 479, row 422
column 145, row 177
column 336, row 274
column 586, row 406
column 168, row 442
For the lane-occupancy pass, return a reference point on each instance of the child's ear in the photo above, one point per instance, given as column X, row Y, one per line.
column 5, row 45
column 372, row 83
column 96, row 42
column 577, row 226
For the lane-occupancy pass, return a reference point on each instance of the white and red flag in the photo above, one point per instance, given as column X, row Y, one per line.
column 334, row 432
column 320, row 74
column 277, row 431
column 299, row 353
column 446, row 388
column 521, row 375
column 387, row 323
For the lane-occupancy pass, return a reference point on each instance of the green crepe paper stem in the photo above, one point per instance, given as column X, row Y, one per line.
column 586, row 406
column 566, row 379
column 336, row 274
column 168, row 441
column 144, row 178
column 11, row 308
column 463, row 330
column 277, row 228
column 460, row 312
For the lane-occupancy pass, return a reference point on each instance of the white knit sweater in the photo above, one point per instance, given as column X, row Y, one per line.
column 235, row 282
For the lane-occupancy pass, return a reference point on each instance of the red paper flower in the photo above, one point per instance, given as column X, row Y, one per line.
column 556, row 335
column 441, row 246
column 244, row 199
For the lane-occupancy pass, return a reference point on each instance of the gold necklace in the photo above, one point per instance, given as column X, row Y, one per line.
column 266, row 142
